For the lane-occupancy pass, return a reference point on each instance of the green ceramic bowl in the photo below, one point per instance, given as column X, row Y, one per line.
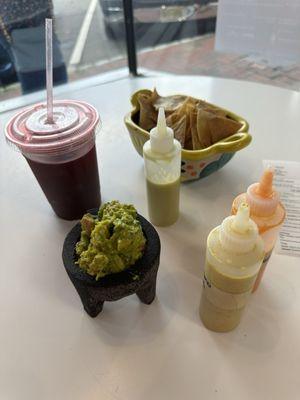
column 195, row 164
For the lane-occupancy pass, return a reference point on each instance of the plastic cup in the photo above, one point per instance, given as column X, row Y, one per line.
column 62, row 156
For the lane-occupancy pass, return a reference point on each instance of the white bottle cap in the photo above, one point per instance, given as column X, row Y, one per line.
column 238, row 233
column 161, row 137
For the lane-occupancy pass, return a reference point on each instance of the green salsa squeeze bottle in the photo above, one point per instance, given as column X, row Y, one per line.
column 233, row 258
column 266, row 211
column 162, row 156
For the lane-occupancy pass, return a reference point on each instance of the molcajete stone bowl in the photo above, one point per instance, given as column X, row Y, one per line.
column 140, row 278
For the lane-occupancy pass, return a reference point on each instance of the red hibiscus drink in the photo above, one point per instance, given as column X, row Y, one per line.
column 61, row 155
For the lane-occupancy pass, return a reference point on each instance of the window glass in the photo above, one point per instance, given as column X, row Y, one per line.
column 88, row 40
column 178, row 36
column 175, row 36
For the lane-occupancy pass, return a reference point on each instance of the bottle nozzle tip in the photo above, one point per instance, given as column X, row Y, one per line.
column 244, row 210
column 265, row 187
column 161, row 122
column 161, row 112
column 241, row 220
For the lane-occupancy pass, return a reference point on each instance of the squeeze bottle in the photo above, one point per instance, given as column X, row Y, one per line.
column 266, row 211
column 233, row 258
column 162, row 156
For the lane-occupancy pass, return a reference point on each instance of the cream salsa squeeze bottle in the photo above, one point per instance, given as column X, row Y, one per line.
column 266, row 211
column 162, row 156
column 233, row 258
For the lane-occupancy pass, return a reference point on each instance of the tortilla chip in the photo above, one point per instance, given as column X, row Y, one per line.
column 154, row 95
column 178, row 123
column 169, row 103
column 196, row 123
column 148, row 115
column 210, row 108
column 188, row 105
column 203, row 128
column 195, row 138
column 221, row 128
column 188, row 144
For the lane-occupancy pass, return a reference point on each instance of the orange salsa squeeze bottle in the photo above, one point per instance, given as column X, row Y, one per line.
column 266, row 211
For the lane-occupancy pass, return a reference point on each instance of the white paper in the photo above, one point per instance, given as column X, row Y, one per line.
column 269, row 29
column 287, row 182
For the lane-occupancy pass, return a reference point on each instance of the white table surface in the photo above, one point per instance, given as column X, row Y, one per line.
column 51, row 349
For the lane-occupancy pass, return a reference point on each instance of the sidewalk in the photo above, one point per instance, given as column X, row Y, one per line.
column 197, row 57
column 194, row 56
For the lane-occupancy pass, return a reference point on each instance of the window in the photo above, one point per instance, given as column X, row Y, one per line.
column 171, row 36
column 89, row 40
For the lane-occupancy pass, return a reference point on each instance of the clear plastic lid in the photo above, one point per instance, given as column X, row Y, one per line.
column 75, row 124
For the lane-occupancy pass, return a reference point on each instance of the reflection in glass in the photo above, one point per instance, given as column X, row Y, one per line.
column 22, row 40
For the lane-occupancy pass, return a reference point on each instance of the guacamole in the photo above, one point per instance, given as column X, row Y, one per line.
column 110, row 242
